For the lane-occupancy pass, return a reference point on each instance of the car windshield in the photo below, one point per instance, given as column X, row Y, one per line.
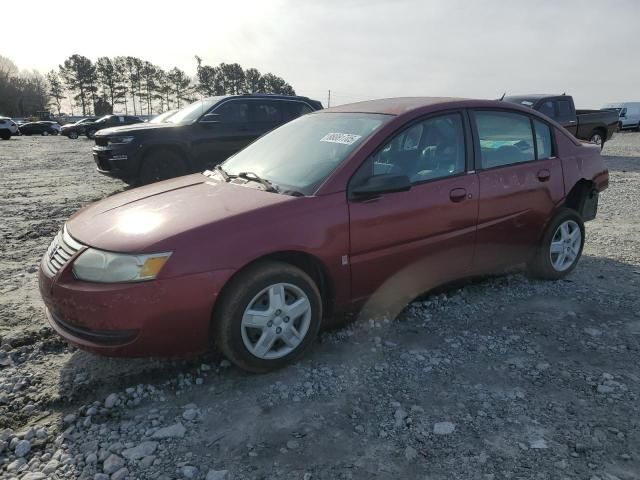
column 301, row 154
column 103, row 119
column 194, row 111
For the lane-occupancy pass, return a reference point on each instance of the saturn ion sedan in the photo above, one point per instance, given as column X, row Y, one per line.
column 365, row 204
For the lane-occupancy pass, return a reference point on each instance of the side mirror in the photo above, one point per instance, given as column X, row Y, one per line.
column 380, row 184
column 211, row 118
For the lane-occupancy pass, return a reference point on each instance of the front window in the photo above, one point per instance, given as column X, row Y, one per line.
column 301, row 154
column 193, row 112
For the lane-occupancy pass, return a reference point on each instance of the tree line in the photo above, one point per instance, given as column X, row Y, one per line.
column 127, row 84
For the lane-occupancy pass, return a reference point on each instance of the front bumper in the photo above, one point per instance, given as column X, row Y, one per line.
column 155, row 318
column 117, row 161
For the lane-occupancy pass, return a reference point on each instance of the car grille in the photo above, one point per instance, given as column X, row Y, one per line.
column 62, row 248
column 102, row 141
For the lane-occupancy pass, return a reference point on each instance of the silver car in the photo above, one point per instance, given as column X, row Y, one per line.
column 629, row 114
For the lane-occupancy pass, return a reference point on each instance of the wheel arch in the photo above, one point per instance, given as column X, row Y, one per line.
column 579, row 193
column 308, row 263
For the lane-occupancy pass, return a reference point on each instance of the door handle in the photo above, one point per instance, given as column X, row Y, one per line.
column 457, row 194
column 544, row 175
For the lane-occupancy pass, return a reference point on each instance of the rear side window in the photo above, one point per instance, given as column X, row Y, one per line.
column 270, row 112
column 564, row 108
column 547, row 109
column 296, row 109
column 543, row 139
column 505, row 138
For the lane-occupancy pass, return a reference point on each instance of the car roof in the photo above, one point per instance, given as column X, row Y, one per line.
column 274, row 96
column 401, row 105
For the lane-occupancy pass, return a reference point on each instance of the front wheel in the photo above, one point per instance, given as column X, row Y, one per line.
column 598, row 139
column 269, row 316
column 5, row 136
column 73, row 135
column 560, row 248
column 161, row 165
column 45, row 133
column 90, row 134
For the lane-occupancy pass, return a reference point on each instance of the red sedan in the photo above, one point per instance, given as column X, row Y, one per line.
column 374, row 202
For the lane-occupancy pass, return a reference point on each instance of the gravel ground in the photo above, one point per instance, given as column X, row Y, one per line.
column 501, row 378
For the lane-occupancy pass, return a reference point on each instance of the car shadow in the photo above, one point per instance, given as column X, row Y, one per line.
column 89, row 376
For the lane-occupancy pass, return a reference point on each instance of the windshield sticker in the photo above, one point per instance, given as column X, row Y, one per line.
column 343, row 138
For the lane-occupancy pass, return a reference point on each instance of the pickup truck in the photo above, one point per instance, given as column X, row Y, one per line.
column 596, row 126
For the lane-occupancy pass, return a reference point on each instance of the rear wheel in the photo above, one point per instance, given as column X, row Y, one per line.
column 560, row 248
column 73, row 135
column 597, row 138
column 161, row 165
column 5, row 136
column 268, row 316
column 45, row 133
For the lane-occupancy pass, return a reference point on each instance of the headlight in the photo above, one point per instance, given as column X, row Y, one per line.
column 107, row 267
column 120, row 140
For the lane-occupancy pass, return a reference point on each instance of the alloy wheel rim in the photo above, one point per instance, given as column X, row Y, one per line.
column 597, row 139
column 276, row 321
column 565, row 245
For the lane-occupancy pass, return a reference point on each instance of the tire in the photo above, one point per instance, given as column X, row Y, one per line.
column 45, row 133
column 256, row 288
column 6, row 136
column 560, row 232
column 90, row 134
column 73, row 135
column 597, row 138
column 161, row 165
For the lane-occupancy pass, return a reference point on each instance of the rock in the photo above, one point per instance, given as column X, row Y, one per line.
column 51, row 467
column 399, row 416
column 91, row 459
column 34, row 476
column 120, row 474
column 293, row 445
column 190, row 414
column 538, row 444
column 444, row 428
column 112, row 464
column 172, row 431
column 69, row 419
column 22, row 448
column 410, row 453
column 100, row 476
column 146, row 462
column 217, row 474
column 111, row 400
column 189, row 472
column 359, row 428
column 142, row 450
column 16, row 465
column 604, row 389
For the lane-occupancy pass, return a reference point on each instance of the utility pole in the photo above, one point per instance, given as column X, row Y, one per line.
column 329, row 99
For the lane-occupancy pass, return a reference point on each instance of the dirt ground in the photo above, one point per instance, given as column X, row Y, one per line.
column 503, row 378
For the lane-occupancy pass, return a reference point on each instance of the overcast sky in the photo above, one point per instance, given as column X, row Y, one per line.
column 358, row 49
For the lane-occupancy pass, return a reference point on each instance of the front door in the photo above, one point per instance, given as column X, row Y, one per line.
column 215, row 141
column 521, row 183
column 405, row 243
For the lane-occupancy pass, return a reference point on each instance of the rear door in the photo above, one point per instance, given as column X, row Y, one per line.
column 520, row 184
column 407, row 242
column 267, row 115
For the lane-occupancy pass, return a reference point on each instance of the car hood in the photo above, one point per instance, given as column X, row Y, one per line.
column 148, row 219
column 133, row 129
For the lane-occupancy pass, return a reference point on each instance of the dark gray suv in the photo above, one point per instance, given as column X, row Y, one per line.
column 199, row 136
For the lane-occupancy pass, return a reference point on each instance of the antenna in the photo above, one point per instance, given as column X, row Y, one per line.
column 502, row 97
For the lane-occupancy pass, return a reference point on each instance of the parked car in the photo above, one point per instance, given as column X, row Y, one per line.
column 199, row 136
column 8, row 128
column 109, row 121
column 595, row 126
column 628, row 114
column 74, row 130
column 161, row 118
column 371, row 203
column 40, row 128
